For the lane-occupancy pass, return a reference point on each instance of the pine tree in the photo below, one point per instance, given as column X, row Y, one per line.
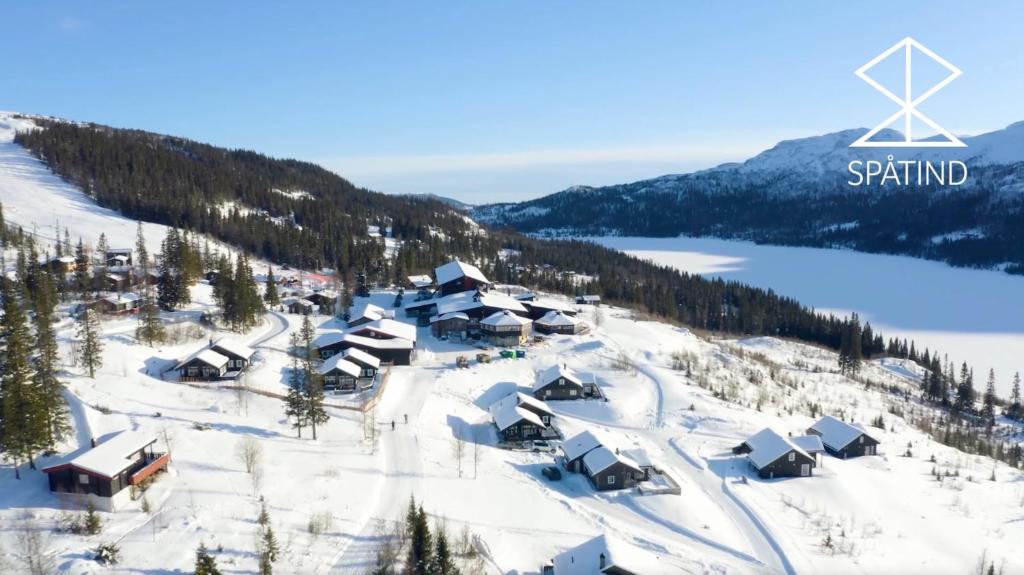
column 270, row 292
column 90, row 346
column 48, row 387
column 141, row 252
column 102, row 247
column 420, row 554
column 989, row 400
column 1015, row 408
column 205, row 563
column 270, row 546
column 82, row 279
column 313, row 383
column 22, row 424
column 965, row 391
column 151, row 327
column 442, row 563
column 295, row 401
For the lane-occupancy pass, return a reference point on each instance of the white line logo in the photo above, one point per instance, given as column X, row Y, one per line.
column 908, row 106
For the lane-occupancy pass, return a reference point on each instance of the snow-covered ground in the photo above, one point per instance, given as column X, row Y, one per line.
column 975, row 316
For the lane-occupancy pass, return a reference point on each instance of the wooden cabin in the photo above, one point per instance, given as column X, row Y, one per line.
column 116, row 257
column 300, row 306
column 609, row 470
column 339, row 375
column 517, row 424
column 608, row 555
column 561, row 382
column 368, row 364
column 239, row 355
column 394, row 351
column 452, row 326
column 575, row 447
column 104, row 473
column 772, row 456
column 594, row 300
column 506, row 329
column 842, row 439
column 119, row 304
column 203, row 365
column 556, row 322
column 456, row 276
column 527, row 402
column 62, row 265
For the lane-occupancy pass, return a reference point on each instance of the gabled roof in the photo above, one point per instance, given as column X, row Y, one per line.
column 233, row 347
column 371, row 312
column 359, row 356
column 585, row 559
column 767, row 446
column 375, row 343
column 590, row 298
column 329, row 338
column 835, row 433
column 512, row 414
column 337, row 362
column 421, row 281
column 809, row 443
column 448, row 316
column 126, row 297
column 454, row 270
column 207, row 356
column 110, row 457
column 505, row 318
column 558, row 319
column 601, row 458
column 554, row 372
column 520, row 398
column 388, row 328
column 552, row 305
column 579, row 445
column 467, row 300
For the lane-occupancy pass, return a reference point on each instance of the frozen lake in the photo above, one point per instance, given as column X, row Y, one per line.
column 972, row 315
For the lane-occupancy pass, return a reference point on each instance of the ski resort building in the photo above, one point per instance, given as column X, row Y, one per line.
column 842, row 439
column 456, row 276
column 557, row 322
column 506, row 329
column 561, row 382
column 104, row 473
column 607, row 555
column 772, row 455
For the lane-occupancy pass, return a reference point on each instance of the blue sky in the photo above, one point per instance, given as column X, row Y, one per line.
column 496, row 100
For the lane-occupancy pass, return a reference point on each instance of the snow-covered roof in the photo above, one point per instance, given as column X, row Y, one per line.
column 600, row 458
column 329, row 338
column 579, row 444
column 389, row 328
column 448, row 316
column 124, row 297
column 467, row 300
column 836, row 433
column 110, row 457
column 638, row 455
column 454, row 270
column 512, row 414
column 421, row 281
column 590, row 298
column 205, row 355
column 585, row 559
column 505, row 318
column 554, row 372
column 520, row 398
column 374, row 343
column 558, row 319
column 234, row 347
column 766, row 446
column 809, row 443
column 337, row 362
column 371, row 312
column 358, row 355
column 551, row 304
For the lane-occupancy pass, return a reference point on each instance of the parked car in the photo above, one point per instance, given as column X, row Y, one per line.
column 551, row 472
column 538, row 445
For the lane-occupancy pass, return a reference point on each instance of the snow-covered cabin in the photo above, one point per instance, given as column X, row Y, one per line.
column 515, row 423
column 575, row 447
column 588, row 300
column 299, row 306
column 368, row 364
column 610, row 470
column 773, row 455
column 121, row 303
column 842, row 439
column 112, row 282
column 339, row 374
column 239, row 355
column 454, row 326
column 104, row 473
column 395, row 351
column 538, row 308
column 561, row 382
column 456, row 276
column 556, row 322
column 504, row 328
column 323, row 300
column 607, row 555
column 385, row 329
column 367, row 314
column 527, row 402
column 62, row 264
column 203, row 365
column 419, row 282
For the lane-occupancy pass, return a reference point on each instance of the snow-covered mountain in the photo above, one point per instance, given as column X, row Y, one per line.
column 798, row 193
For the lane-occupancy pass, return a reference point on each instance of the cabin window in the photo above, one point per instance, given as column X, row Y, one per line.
column 325, row 353
column 193, row 371
column 611, row 480
column 83, row 479
column 561, row 381
column 792, row 456
column 572, row 392
column 547, row 393
column 861, row 439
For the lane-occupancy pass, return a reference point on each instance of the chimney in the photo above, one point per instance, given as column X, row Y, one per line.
column 92, row 442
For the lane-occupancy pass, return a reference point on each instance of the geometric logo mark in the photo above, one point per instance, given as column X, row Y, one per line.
column 908, row 104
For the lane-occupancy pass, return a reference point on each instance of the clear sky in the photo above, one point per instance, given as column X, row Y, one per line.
column 499, row 100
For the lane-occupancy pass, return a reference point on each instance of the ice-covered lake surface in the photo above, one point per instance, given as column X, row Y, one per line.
column 975, row 316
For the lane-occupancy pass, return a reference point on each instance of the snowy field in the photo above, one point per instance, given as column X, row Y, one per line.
column 975, row 316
